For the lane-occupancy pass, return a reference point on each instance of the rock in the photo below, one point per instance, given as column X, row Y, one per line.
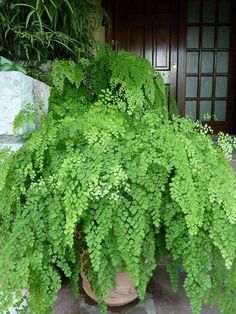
column 17, row 90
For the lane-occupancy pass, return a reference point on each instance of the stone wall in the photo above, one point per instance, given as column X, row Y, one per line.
column 17, row 90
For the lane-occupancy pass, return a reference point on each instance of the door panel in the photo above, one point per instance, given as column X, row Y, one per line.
column 136, row 39
column 161, row 46
column 148, row 29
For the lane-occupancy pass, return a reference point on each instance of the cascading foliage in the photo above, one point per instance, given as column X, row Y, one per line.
column 109, row 176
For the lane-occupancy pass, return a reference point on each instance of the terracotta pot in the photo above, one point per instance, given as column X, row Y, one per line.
column 124, row 293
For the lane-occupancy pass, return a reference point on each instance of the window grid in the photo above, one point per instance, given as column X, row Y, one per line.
column 200, row 50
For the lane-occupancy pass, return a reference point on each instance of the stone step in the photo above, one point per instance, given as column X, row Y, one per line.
column 234, row 154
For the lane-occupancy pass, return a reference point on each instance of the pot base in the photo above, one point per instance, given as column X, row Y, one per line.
column 123, row 294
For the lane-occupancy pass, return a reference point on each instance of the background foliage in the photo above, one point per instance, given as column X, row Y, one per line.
column 111, row 174
column 39, row 30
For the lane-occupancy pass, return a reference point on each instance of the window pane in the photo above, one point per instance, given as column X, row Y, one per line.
column 209, row 11
column 206, row 86
column 223, row 37
column 193, row 11
column 205, row 110
column 191, row 109
column 220, row 110
column 208, row 36
column 221, row 86
column 222, row 62
column 207, row 62
column 192, row 62
column 224, row 11
column 191, row 86
column 193, row 37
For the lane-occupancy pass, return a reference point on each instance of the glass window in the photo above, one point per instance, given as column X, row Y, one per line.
column 221, row 86
column 205, row 110
column 222, row 62
column 220, row 110
column 191, row 86
column 224, row 11
column 193, row 37
column 193, row 11
column 191, row 109
column 208, row 33
column 192, row 62
column 206, row 86
column 223, row 37
column 207, row 62
column 209, row 11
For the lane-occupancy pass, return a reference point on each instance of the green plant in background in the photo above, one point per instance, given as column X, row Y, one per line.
column 111, row 174
column 7, row 65
column 35, row 71
column 44, row 30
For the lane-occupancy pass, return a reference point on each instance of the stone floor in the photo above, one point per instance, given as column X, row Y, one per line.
column 159, row 300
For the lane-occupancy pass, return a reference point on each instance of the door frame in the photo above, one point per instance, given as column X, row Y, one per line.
column 233, row 71
column 181, row 59
column 230, row 127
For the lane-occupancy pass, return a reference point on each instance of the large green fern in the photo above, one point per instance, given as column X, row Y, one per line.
column 108, row 173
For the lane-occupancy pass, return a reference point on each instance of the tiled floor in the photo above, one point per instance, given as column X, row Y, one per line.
column 160, row 300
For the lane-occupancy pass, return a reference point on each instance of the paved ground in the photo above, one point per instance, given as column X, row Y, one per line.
column 160, row 300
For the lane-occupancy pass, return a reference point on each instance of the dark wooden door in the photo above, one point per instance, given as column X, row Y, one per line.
column 206, row 61
column 192, row 43
column 148, row 29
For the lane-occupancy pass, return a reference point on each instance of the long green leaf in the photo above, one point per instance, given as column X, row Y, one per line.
column 14, row 16
column 53, row 3
column 37, row 5
column 69, row 6
column 64, row 45
column 23, row 5
column 28, row 18
column 48, row 13
column 40, row 22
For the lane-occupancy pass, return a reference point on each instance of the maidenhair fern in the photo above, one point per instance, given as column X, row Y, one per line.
column 109, row 179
